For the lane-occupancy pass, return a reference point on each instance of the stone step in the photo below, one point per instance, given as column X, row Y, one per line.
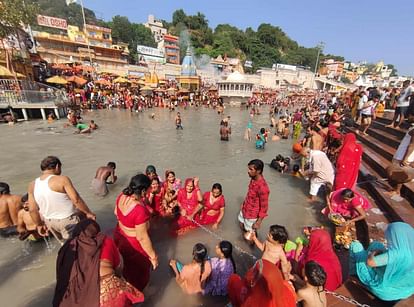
column 380, row 148
column 394, row 211
column 378, row 156
column 399, row 133
column 384, row 137
column 386, row 120
column 407, row 191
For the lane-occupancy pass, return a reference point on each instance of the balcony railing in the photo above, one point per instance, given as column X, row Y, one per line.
column 13, row 93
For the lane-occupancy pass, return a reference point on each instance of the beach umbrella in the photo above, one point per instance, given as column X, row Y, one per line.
column 78, row 80
column 158, row 89
column 61, row 66
column 83, row 68
column 141, row 82
column 146, row 90
column 103, row 82
column 120, row 80
column 4, row 72
column 20, row 76
column 56, row 80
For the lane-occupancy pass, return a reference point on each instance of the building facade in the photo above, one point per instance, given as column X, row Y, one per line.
column 171, row 46
column 156, row 27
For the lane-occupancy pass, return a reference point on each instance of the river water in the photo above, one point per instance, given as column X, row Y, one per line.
column 133, row 141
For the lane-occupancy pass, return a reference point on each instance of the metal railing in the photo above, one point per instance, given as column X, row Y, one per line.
column 14, row 92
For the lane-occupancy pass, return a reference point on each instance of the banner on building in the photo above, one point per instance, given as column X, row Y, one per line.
column 52, row 22
column 154, row 52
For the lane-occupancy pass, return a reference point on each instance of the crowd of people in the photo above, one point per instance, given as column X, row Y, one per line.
column 96, row 269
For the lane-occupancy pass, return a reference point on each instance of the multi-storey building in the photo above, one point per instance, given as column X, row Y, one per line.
column 171, row 45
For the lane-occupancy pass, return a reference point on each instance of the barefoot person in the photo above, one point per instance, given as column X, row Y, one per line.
column 254, row 208
column 99, row 183
column 320, row 171
column 54, row 197
column 9, row 207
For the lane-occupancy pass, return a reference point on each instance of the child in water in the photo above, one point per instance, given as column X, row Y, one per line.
column 273, row 247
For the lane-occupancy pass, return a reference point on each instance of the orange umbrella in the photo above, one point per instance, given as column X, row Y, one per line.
column 103, row 82
column 61, row 66
column 77, row 80
column 84, row 68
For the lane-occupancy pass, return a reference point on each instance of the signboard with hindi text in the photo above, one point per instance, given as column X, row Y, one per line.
column 153, row 52
column 52, row 22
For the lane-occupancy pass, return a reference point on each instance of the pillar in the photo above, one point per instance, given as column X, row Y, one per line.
column 57, row 113
column 43, row 113
column 25, row 114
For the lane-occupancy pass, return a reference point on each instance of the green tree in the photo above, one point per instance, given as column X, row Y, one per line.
column 394, row 71
column 131, row 33
column 179, row 16
column 14, row 13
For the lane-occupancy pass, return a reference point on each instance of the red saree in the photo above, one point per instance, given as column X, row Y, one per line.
column 137, row 265
column 262, row 286
column 183, row 224
column 115, row 291
column 348, row 162
column 205, row 218
column 320, row 250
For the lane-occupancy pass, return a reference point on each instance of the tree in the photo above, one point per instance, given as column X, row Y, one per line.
column 131, row 33
column 179, row 16
column 394, row 71
column 14, row 13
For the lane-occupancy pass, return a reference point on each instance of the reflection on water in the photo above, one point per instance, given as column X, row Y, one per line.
column 133, row 141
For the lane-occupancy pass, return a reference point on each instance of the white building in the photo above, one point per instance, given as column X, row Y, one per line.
column 156, row 27
column 236, row 89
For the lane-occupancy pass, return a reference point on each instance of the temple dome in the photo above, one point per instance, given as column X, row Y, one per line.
column 188, row 67
column 235, row 77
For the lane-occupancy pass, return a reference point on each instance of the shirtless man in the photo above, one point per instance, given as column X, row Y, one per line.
column 225, row 131
column 93, row 125
column 102, row 174
column 25, row 224
column 9, row 207
column 178, row 121
column 317, row 140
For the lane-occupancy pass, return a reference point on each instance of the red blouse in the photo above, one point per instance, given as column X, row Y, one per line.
column 217, row 205
column 137, row 215
column 188, row 204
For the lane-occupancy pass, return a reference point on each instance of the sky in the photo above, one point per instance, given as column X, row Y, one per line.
column 359, row 30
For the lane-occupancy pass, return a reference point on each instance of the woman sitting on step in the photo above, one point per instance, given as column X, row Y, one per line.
column 386, row 271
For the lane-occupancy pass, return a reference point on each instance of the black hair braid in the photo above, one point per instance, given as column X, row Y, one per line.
column 233, row 263
column 128, row 191
column 201, row 268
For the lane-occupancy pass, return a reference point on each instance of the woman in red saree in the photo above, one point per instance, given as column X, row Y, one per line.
column 347, row 164
column 189, row 200
column 321, row 251
column 155, row 196
column 131, row 234
column 263, row 285
column 88, row 267
column 213, row 210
